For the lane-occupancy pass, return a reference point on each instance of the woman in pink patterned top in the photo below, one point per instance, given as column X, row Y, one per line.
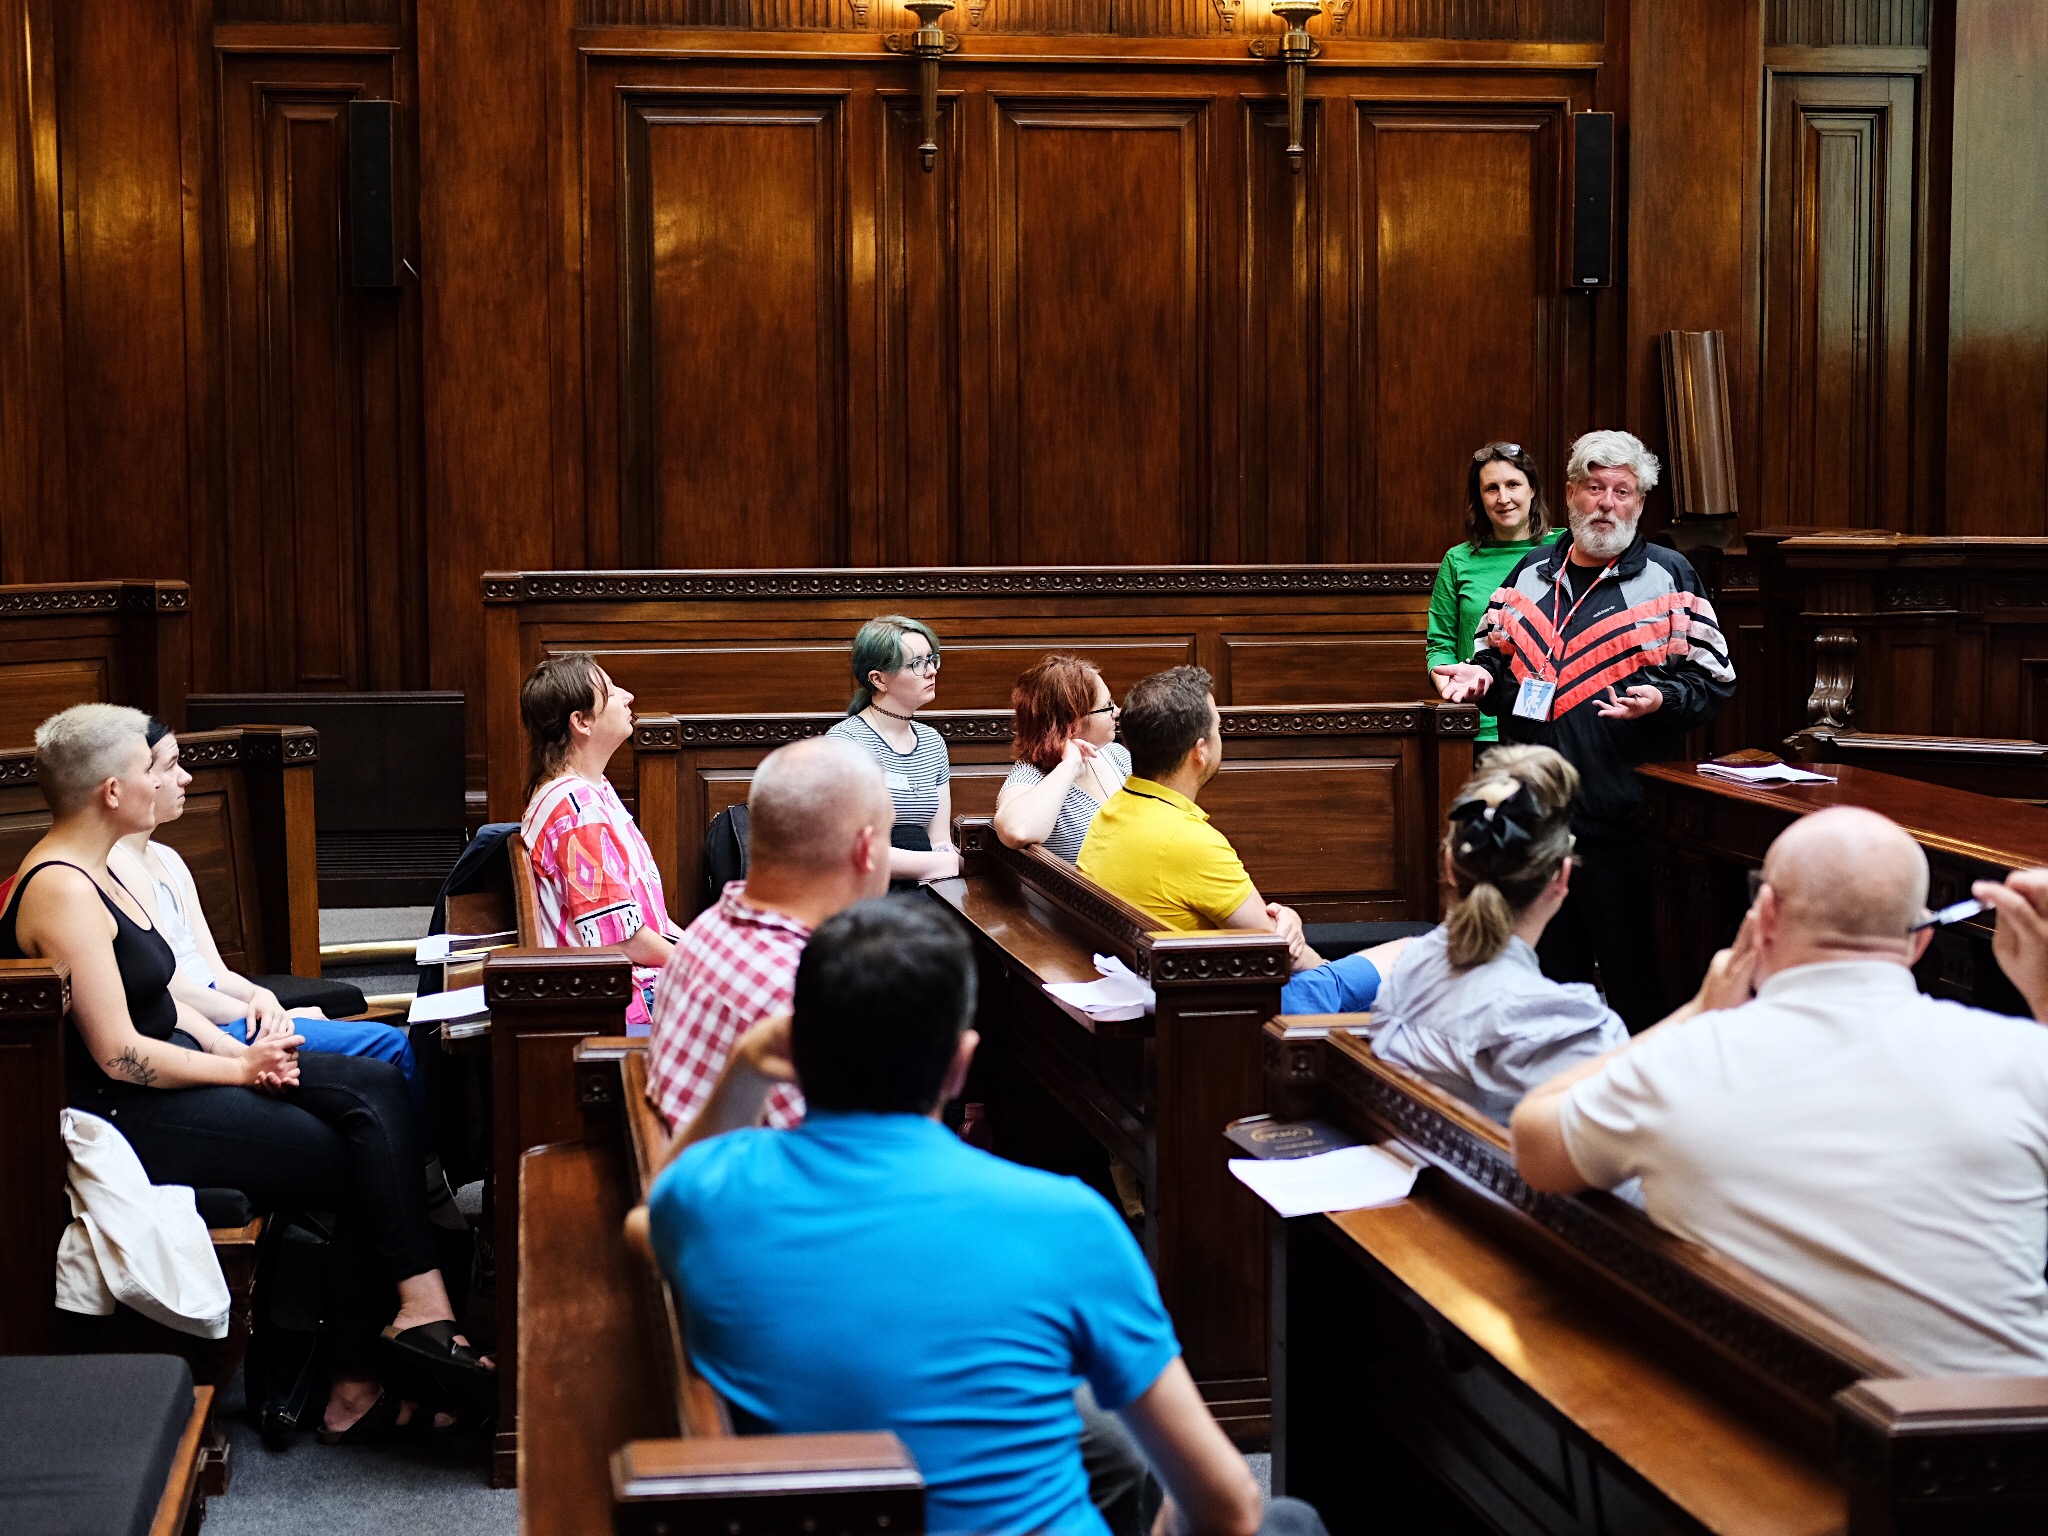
column 593, row 874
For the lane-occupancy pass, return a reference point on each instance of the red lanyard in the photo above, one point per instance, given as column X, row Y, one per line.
column 1557, row 628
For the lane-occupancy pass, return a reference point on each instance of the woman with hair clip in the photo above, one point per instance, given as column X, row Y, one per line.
column 1505, row 517
column 1467, row 1006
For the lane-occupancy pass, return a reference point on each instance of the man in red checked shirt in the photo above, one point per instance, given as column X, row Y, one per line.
column 1606, row 648
column 818, row 819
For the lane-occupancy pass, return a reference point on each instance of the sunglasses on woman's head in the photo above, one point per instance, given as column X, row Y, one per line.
column 1497, row 451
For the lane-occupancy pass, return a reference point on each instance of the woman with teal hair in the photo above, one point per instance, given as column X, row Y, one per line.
column 895, row 674
column 1505, row 518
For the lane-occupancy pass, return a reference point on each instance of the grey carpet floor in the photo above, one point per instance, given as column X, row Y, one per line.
column 327, row 1490
column 364, row 925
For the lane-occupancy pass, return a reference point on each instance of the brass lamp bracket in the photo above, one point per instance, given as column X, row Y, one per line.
column 928, row 44
column 1277, row 48
column 1294, row 48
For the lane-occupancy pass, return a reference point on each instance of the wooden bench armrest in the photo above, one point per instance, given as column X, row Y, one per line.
column 853, row 1482
column 174, row 1509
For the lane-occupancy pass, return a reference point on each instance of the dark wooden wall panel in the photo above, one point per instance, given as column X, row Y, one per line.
column 1457, row 246
column 920, row 417
column 1838, row 301
column 1280, row 400
column 33, row 525
column 736, row 427
column 1998, row 295
column 1097, row 351
column 120, row 73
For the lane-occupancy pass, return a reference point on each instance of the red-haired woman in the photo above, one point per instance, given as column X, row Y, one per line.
column 1067, row 762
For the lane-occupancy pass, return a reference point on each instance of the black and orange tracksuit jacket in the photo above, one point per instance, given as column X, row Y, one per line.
column 1648, row 621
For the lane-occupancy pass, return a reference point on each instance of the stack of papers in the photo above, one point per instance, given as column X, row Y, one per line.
column 1118, row 995
column 465, row 1005
column 442, row 948
column 1352, row 1179
column 1768, row 773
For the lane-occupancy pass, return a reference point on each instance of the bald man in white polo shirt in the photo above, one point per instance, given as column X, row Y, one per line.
column 1882, row 1154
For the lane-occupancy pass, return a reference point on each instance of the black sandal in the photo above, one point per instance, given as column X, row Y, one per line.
column 380, row 1424
column 430, row 1353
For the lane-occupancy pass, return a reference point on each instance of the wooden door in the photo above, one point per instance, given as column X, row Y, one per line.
column 324, row 557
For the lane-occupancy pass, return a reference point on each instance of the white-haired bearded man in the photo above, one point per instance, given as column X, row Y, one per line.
column 1605, row 647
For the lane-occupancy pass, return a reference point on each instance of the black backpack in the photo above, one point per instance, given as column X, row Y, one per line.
column 725, row 851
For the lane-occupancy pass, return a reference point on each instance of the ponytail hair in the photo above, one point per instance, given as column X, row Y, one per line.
column 1511, row 827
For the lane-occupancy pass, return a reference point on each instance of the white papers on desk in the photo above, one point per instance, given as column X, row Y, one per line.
column 1768, row 773
column 440, row 948
column 1118, row 995
column 1349, row 1179
column 439, row 1007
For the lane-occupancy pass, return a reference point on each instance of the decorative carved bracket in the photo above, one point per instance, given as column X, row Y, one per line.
column 1834, row 678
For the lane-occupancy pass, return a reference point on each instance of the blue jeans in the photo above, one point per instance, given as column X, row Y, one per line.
column 1343, row 986
column 352, row 1037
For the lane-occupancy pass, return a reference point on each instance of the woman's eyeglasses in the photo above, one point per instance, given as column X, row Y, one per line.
column 924, row 666
column 1107, row 709
column 1497, row 451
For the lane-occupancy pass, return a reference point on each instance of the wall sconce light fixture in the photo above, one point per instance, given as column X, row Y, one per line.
column 1294, row 49
column 928, row 44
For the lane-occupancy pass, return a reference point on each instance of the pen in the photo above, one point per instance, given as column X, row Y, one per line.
column 1955, row 912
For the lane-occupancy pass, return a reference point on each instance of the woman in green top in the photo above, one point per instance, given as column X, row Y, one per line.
column 1505, row 517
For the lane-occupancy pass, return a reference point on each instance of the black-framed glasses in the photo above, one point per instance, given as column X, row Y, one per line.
column 926, row 665
column 1497, row 451
column 1107, row 709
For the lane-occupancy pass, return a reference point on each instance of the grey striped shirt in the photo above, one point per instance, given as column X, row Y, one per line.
column 914, row 777
column 1078, row 810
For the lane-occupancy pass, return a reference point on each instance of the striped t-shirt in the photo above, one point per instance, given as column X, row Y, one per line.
column 1079, row 808
column 914, row 777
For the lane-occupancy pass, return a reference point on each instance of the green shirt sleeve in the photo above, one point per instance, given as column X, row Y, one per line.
column 1440, row 640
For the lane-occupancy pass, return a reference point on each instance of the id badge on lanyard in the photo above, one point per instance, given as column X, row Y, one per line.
column 1533, row 700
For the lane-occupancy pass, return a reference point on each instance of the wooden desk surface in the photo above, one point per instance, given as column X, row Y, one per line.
column 1976, row 827
column 1719, row 1469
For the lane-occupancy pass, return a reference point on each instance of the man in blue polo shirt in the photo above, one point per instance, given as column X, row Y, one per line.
column 869, row 1270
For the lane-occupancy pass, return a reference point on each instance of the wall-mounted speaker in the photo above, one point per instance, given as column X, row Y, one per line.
column 372, row 214
column 1592, row 199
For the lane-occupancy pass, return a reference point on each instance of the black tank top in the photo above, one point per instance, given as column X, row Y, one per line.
column 146, row 965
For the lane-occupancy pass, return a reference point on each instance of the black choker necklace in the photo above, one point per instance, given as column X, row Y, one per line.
column 890, row 713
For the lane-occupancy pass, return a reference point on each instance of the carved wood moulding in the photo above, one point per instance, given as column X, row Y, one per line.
column 1831, row 24
column 40, row 987
column 97, row 597
column 671, row 733
column 1537, row 21
column 967, row 581
column 308, row 12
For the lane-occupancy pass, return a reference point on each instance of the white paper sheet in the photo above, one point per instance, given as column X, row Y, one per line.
column 433, row 1007
column 1768, row 773
column 439, row 948
column 1118, row 995
column 1350, row 1179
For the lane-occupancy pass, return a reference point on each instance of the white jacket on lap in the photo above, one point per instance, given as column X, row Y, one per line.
column 132, row 1241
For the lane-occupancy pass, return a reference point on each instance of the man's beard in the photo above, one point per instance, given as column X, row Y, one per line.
column 1602, row 544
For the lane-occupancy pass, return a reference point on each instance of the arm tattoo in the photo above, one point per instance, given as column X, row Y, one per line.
column 131, row 1066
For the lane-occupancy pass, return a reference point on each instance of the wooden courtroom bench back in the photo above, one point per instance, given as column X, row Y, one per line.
column 1566, row 1357
column 92, row 642
column 616, row 1428
column 1151, row 1092
column 724, row 642
column 1335, row 811
column 247, row 834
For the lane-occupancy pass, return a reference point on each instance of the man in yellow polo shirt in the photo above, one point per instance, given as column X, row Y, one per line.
column 1152, row 845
